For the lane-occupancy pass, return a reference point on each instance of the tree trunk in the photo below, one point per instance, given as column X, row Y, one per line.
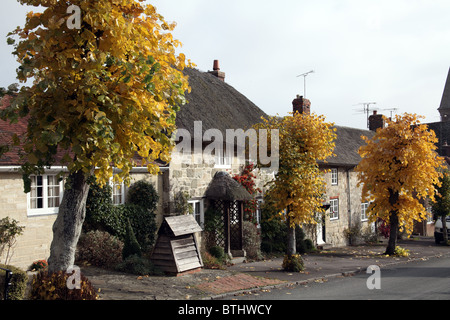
column 68, row 224
column 291, row 243
column 393, row 199
column 390, row 250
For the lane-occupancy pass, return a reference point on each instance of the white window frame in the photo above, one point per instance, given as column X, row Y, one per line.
column 117, row 187
column 334, row 209
column 364, row 207
column 258, row 213
column 45, row 210
column 222, row 159
column 200, row 205
column 334, row 176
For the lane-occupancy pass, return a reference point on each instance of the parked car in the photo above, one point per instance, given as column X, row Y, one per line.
column 439, row 231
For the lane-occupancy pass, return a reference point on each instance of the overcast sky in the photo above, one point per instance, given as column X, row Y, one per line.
column 395, row 53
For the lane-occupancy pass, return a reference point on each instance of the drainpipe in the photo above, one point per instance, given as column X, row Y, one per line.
column 349, row 201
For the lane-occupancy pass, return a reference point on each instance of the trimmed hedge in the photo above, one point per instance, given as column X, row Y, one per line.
column 102, row 215
column 18, row 283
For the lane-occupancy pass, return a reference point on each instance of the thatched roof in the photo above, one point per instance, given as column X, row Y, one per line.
column 217, row 104
column 223, row 187
column 348, row 143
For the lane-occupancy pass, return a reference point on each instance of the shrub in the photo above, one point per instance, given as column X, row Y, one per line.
column 309, row 245
column 18, row 283
column 181, row 203
column 368, row 235
column 273, row 231
column 218, row 253
column 293, row 263
column 98, row 208
column 142, row 193
column 252, row 241
column 143, row 223
column 211, row 262
column 53, row 286
column 9, row 231
column 131, row 246
column 101, row 214
column 100, row 249
column 138, row 265
column 274, row 234
column 353, row 233
column 39, row 265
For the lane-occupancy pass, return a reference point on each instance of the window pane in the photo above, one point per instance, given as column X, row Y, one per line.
column 334, row 209
column 36, row 195
column 117, row 193
column 53, row 191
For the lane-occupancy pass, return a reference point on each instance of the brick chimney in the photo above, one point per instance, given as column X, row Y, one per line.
column 216, row 71
column 301, row 105
column 376, row 121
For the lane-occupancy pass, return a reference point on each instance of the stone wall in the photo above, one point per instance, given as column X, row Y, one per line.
column 194, row 179
column 349, row 195
column 35, row 242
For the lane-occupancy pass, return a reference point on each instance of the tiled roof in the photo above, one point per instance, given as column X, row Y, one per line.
column 12, row 157
column 7, row 130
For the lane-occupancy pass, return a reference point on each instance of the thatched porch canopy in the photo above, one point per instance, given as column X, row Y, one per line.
column 226, row 197
column 224, row 187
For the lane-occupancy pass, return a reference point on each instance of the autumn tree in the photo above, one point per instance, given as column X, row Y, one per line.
column 298, row 188
column 399, row 168
column 102, row 92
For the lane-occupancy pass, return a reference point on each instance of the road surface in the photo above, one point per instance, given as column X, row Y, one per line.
column 418, row 280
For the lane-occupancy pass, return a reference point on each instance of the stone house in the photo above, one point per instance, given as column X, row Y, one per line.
column 343, row 196
column 212, row 105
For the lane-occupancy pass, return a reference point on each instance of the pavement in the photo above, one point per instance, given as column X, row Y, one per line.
column 251, row 277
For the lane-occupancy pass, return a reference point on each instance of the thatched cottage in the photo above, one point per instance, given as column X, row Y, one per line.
column 213, row 104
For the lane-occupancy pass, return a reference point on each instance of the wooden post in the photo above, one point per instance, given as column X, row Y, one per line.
column 226, row 211
column 241, row 225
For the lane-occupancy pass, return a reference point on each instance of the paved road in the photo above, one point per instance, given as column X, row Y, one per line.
column 418, row 280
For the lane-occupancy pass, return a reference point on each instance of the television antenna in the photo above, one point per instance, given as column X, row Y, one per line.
column 304, row 75
column 366, row 109
column 392, row 111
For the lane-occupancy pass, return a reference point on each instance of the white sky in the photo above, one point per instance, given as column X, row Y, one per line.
column 395, row 53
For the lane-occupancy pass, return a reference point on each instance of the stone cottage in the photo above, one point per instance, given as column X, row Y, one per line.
column 212, row 105
column 342, row 193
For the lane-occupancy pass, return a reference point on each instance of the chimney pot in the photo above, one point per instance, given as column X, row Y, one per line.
column 216, row 65
column 216, row 71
